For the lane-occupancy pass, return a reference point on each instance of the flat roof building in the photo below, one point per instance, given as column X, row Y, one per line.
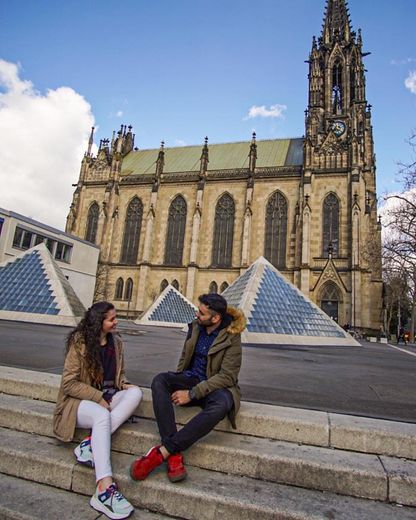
column 77, row 258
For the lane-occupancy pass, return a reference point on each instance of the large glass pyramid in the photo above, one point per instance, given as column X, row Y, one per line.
column 33, row 288
column 170, row 309
column 277, row 312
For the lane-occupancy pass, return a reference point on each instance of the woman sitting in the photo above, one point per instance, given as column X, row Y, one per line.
column 95, row 394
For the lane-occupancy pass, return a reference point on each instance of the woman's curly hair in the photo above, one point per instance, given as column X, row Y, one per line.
column 89, row 328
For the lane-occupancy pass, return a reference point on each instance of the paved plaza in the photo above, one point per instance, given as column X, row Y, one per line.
column 373, row 380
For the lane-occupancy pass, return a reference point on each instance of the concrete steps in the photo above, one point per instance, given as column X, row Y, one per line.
column 26, row 500
column 255, row 473
column 337, row 471
column 205, row 495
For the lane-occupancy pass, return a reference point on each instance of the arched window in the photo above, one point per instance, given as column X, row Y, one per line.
column 276, row 230
column 175, row 231
column 128, row 292
column 353, row 67
column 213, row 287
column 175, row 284
column 118, row 294
column 224, row 286
column 223, row 232
column 330, row 232
column 337, row 93
column 163, row 285
column 132, row 227
column 92, row 223
column 330, row 300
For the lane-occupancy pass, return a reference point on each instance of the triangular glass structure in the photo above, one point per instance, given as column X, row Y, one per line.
column 278, row 313
column 33, row 288
column 170, row 309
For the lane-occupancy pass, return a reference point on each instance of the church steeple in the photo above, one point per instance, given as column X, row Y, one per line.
column 337, row 25
column 338, row 124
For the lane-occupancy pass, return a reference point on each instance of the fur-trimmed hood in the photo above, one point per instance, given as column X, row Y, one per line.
column 238, row 320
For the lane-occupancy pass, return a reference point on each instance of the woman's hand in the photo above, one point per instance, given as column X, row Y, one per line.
column 104, row 404
column 126, row 386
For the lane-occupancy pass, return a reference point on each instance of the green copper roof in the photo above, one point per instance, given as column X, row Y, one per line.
column 271, row 153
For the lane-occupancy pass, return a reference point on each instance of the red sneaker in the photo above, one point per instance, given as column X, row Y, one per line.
column 145, row 465
column 176, row 468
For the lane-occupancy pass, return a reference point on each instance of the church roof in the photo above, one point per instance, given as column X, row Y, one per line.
column 225, row 156
column 34, row 288
column 278, row 313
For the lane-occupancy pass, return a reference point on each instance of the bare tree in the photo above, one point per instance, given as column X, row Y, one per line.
column 399, row 242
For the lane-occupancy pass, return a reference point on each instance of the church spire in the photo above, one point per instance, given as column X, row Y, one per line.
column 337, row 25
column 90, row 142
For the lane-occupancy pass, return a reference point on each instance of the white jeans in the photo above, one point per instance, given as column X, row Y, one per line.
column 104, row 422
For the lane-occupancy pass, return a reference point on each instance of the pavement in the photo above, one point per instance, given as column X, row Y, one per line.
column 374, row 380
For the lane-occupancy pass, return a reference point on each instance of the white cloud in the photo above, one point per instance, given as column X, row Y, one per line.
column 119, row 113
column 410, row 82
column 179, row 142
column 43, row 138
column 402, row 61
column 275, row 111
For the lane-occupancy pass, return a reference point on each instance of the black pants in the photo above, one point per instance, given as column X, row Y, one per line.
column 215, row 407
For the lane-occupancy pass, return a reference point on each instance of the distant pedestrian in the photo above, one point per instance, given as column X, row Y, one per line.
column 95, row 394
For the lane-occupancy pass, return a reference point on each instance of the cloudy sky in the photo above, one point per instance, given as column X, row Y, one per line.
column 177, row 71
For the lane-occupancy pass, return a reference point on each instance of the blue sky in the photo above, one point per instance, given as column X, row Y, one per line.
column 180, row 70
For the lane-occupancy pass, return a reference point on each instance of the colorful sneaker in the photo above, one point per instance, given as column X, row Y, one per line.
column 83, row 453
column 145, row 465
column 112, row 503
column 176, row 468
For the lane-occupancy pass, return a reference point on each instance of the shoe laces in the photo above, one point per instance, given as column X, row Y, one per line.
column 113, row 491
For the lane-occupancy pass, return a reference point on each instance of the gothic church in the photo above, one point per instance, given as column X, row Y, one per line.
column 198, row 216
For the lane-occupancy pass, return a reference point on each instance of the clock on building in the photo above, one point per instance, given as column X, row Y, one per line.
column 338, row 127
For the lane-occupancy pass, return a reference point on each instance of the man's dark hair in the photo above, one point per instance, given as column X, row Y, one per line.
column 214, row 302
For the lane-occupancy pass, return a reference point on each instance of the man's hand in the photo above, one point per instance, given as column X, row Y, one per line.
column 180, row 397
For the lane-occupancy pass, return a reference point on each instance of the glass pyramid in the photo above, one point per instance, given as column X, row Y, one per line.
column 277, row 312
column 34, row 284
column 171, row 308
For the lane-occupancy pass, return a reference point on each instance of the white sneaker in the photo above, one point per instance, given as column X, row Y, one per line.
column 112, row 503
column 83, row 453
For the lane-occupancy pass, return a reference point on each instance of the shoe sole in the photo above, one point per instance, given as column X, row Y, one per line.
column 84, row 462
column 98, row 506
column 178, row 478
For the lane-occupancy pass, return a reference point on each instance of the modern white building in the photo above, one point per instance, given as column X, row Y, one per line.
column 77, row 258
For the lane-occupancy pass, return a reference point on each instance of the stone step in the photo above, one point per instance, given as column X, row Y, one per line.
column 338, row 471
column 309, row 427
column 205, row 495
column 26, row 500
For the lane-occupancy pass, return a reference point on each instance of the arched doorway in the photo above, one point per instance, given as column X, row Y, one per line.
column 330, row 300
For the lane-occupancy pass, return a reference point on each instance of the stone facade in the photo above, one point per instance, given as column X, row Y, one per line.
column 332, row 254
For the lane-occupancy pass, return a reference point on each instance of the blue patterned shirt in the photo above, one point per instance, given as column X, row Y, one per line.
column 198, row 366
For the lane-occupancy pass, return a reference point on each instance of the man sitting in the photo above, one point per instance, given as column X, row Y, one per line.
column 206, row 376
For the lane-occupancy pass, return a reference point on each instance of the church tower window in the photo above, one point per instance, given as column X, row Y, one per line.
column 337, row 94
column 132, row 227
column 330, row 226
column 223, row 232
column 92, row 223
column 353, row 79
column 163, row 285
column 175, row 231
column 276, row 230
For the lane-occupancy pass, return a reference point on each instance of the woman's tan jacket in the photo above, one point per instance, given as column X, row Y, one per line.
column 76, row 386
